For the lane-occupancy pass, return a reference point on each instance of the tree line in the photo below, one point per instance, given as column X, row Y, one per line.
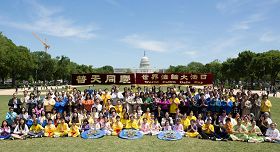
column 250, row 67
column 19, row 63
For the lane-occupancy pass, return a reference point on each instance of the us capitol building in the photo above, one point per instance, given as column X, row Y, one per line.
column 144, row 67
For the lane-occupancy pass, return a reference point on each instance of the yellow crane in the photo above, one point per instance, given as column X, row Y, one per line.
column 46, row 46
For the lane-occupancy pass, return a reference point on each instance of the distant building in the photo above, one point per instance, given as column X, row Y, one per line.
column 144, row 67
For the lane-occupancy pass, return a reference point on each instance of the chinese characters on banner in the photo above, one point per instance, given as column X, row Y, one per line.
column 85, row 79
column 140, row 78
column 174, row 78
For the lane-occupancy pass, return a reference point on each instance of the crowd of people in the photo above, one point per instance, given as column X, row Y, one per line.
column 206, row 113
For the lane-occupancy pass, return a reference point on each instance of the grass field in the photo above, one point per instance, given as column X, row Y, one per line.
column 148, row 143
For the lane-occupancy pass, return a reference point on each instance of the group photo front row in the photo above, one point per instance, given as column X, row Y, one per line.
column 207, row 113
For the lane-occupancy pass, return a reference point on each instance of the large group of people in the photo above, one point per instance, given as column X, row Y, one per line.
column 206, row 113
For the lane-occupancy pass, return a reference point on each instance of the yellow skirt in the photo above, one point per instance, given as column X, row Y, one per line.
column 192, row 134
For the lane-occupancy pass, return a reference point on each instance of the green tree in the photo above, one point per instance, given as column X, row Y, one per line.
column 45, row 66
column 195, row 67
column 215, row 68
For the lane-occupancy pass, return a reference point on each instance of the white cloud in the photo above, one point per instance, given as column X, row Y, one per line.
column 269, row 37
column 190, row 53
column 50, row 21
column 230, row 6
column 246, row 24
column 147, row 44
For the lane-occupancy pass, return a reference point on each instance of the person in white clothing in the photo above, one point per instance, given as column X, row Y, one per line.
column 272, row 134
column 116, row 96
column 21, row 130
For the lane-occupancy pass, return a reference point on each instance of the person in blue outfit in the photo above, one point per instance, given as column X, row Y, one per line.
column 60, row 105
column 11, row 116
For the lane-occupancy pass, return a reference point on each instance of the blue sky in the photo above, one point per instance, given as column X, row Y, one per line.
column 116, row 32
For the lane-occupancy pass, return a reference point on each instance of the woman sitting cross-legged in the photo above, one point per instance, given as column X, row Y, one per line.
column 254, row 133
column 239, row 132
column 192, row 131
column 21, row 130
column 62, row 129
column 5, row 131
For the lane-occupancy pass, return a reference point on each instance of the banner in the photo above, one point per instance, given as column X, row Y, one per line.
column 174, row 78
column 143, row 79
column 93, row 78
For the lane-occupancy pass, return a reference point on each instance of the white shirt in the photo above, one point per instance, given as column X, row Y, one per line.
column 272, row 133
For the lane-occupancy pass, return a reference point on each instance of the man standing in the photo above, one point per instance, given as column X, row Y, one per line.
column 15, row 103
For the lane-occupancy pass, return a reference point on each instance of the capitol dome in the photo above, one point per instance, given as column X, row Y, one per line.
column 144, row 63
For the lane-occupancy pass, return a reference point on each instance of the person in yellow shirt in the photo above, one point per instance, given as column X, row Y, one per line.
column 117, row 126
column 231, row 97
column 185, row 122
column 105, row 96
column 147, row 115
column 192, row 130
column 36, row 130
column 191, row 116
column 125, row 119
column 174, row 105
column 265, row 105
column 208, row 130
column 119, row 107
column 132, row 123
column 49, row 129
column 74, row 130
column 62, row 129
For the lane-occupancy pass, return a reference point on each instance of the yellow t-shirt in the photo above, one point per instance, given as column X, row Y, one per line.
column 50, row 128
column 62, row 127
column 105, row 97
column 119, row 109
column 265, row 106
column 208, row 128
column 124, row 121
column 117, row 125
column 74, row 129
column 133, row 125
column 185, row 123
column 191, row 118
column 37, row 128
column 231, row 98
column 174, row 105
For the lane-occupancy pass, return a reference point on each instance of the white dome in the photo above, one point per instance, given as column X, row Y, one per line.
column 144, row 63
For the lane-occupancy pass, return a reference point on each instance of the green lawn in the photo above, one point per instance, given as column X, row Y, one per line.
column 110, row 143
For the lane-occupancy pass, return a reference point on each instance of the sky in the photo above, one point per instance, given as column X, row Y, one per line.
column 117, row 32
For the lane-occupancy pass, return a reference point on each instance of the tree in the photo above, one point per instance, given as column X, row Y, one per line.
column 45, row 66
column 6, row 46
column 195, row 67
column 214, row 67
column 63, row 68
column 244, row 63
column 271, row 61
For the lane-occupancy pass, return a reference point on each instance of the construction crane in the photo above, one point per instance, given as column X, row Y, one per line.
column 46, row 46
